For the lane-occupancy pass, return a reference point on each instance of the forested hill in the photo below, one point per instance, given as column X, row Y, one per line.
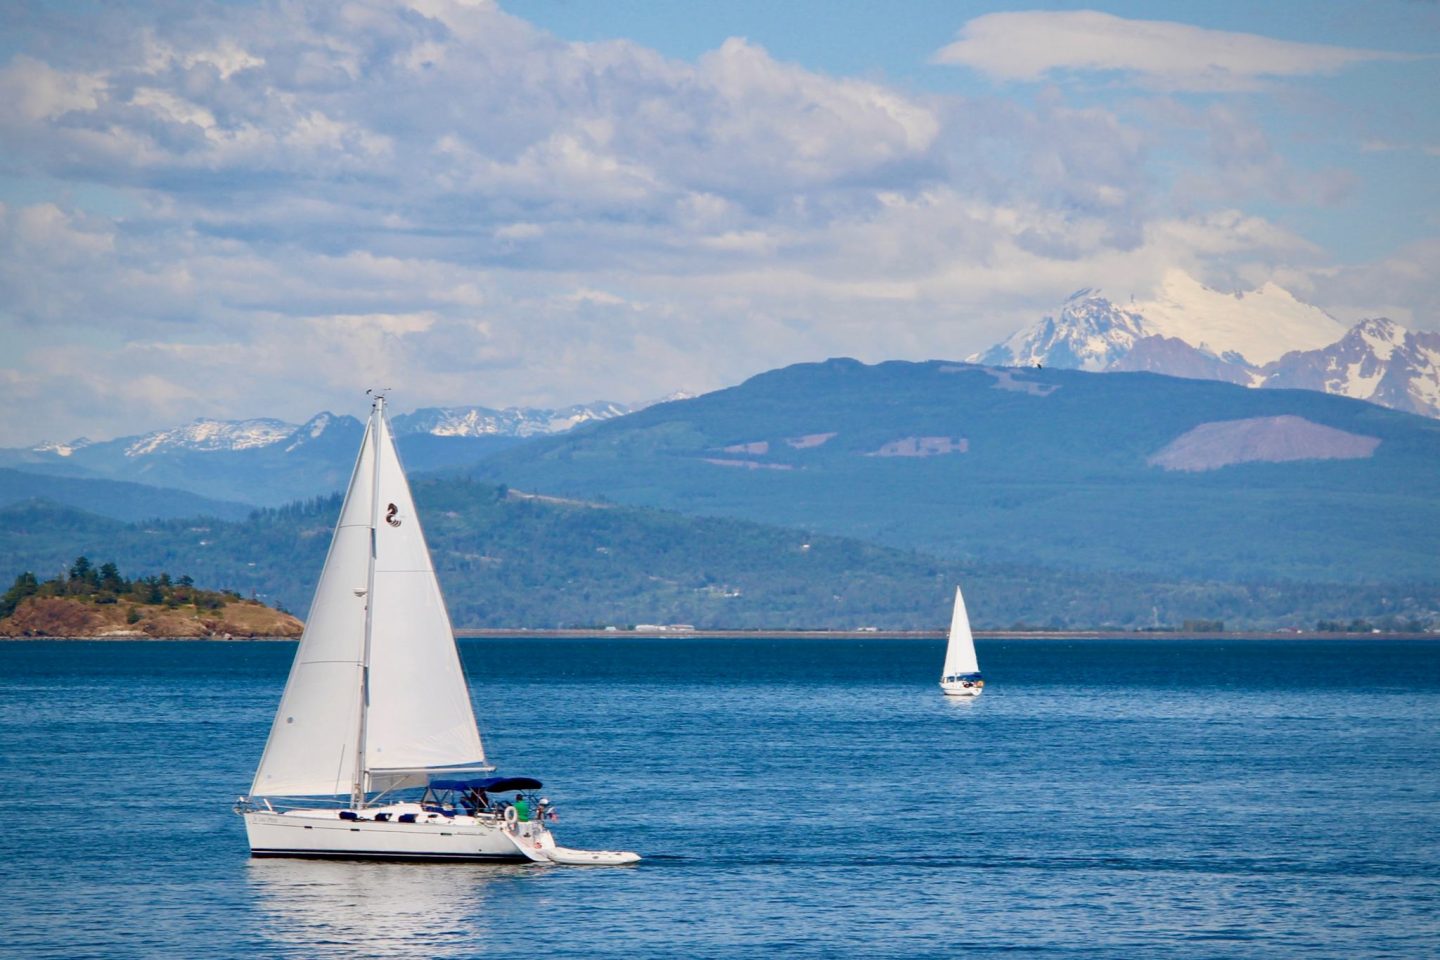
column 510, row 559
column 1126, row 472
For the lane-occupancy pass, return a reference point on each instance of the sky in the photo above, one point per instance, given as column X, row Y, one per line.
column 246, row 209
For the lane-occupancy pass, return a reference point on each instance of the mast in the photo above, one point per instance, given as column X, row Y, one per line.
column 377, row 412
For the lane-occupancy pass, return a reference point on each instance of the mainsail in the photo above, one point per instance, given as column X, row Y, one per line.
column 960, row 652
column 401, row 651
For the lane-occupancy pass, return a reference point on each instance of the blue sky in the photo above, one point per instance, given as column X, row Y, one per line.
column 260, row 209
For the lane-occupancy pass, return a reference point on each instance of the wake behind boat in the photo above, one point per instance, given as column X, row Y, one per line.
column 374, row 753
column 960, row 676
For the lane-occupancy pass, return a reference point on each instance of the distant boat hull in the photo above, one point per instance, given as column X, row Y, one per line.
column 963, row 688
column 322, row 834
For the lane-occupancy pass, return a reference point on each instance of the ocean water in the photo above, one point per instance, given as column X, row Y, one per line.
column 791, row 798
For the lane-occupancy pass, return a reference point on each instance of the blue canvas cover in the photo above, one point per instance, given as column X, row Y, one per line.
column 488, row 784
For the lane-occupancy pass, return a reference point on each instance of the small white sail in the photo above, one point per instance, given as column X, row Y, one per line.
column 960, row 652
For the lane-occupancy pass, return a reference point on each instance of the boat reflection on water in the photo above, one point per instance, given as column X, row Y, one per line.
column 318, row 908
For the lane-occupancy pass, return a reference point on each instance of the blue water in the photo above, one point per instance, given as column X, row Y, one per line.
column 792, row 797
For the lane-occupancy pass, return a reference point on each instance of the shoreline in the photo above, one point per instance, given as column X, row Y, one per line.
column 601, row 634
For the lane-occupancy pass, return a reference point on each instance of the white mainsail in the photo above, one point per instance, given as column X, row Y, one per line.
column 418, row 715
column 960, row 652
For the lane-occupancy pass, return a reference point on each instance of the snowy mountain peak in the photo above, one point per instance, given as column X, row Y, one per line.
column 314, row 429
column 63, row 449
column 669, row 397
column 1090, row 333
column 209, row 435
column 509, row 422
column 317, row 424
column 1260, row 338
column 1383, row 336
column 1260, row 325
column 1377, row 360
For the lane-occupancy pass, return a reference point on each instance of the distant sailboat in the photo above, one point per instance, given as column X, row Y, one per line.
column 374, row 753
column 961, row 674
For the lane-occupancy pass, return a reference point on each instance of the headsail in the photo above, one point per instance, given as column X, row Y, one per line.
column 960, row 652
column 419, row 715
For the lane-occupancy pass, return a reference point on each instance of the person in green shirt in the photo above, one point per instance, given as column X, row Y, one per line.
column 522, row 809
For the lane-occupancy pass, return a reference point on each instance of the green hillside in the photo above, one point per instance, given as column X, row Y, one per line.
column 507, row 559
column 1047, row 467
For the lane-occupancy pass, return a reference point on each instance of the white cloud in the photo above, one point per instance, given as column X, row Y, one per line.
column 31, row 90
column 1033, row 45
column 442, row 198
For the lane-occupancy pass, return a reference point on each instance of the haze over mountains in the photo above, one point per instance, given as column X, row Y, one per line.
column 1259, row 338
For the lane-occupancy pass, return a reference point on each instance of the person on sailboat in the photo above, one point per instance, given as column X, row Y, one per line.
column 522, row 808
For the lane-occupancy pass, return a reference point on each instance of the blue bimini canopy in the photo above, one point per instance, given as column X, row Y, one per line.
column 488, row 784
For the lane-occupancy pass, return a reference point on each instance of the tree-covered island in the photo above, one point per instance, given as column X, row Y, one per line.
column 97, row 602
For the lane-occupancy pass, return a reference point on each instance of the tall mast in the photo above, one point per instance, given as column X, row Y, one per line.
column 377, row 416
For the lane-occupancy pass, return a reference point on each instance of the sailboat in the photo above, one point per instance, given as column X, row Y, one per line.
column 374, row 753
column 961, row 674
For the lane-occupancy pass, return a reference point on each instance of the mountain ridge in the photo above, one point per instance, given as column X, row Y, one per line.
column 1045, row 466
column 1375, row 360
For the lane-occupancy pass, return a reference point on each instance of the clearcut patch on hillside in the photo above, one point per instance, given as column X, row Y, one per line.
column 922, row 447
column 1211, row 446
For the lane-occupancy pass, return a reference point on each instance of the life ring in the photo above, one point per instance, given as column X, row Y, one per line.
column 511, row 817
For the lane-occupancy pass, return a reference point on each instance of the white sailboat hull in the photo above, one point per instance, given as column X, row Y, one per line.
column 961, row 689
column 322, row 834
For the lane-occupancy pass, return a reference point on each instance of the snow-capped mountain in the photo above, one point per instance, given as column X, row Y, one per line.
column 1261, row 338
column 321, row 427
column 1260, row 325
column 266, row 461
column 63, row 448
column 1090, row 333
column 509, row 422
column 205, row 434
column 1378, row 360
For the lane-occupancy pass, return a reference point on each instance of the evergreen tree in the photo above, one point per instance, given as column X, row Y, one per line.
column 25, row 586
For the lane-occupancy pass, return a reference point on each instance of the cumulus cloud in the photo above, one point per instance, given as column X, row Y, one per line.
column 261, row 210
column 1033, row 45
